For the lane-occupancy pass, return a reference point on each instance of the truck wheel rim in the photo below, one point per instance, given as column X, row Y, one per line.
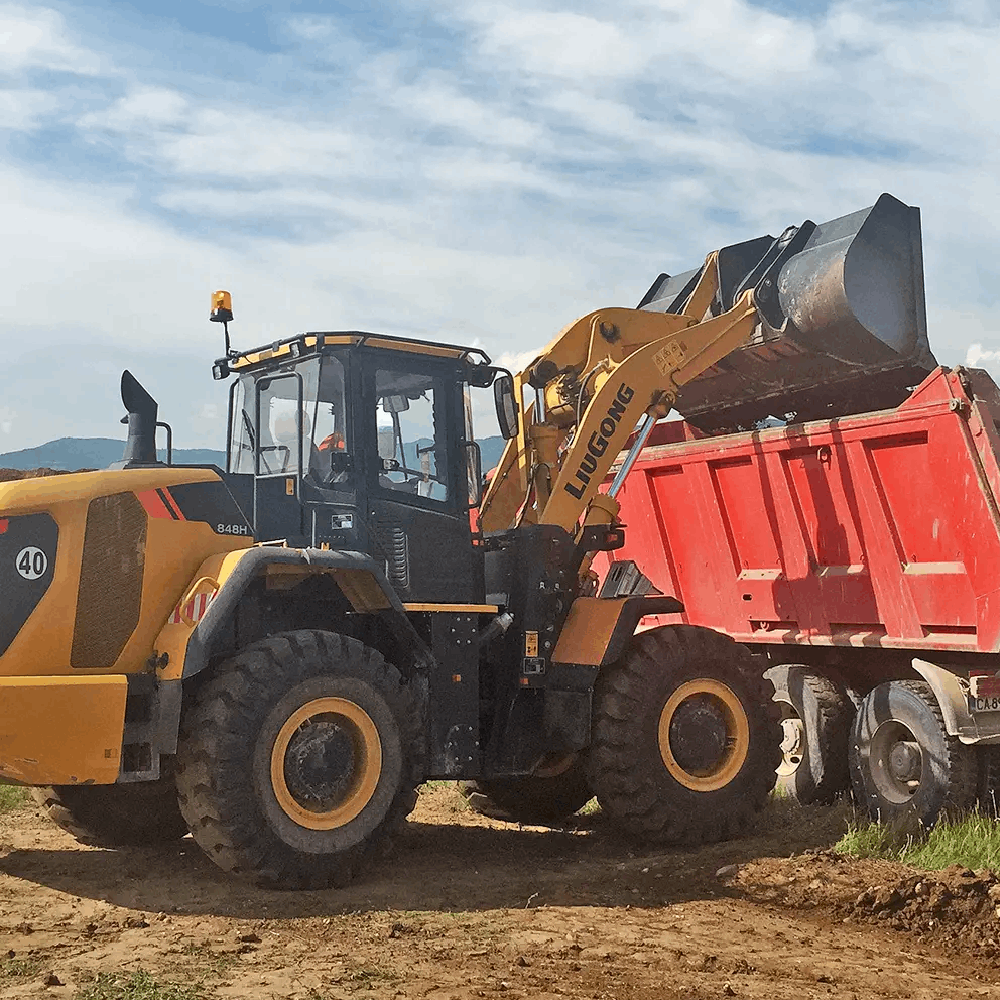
column 325, row 763
column 793, row 738
column 703, row 735
column 895, row 762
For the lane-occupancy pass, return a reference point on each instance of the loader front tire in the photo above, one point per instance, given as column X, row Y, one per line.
column 136, row 814
column 537, row 800
column 299, row 759
column 686, row 738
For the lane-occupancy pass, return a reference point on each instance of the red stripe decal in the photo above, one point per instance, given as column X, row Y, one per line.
column 172, row 503
column 153, row 505
column 3, row 525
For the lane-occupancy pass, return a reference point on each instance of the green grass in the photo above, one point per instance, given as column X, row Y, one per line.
column 138, row 985
column 12, row 797
column 372, row 974
column 19, row 968
column 972, row 841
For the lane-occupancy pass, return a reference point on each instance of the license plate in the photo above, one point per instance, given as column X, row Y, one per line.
column 990, row 703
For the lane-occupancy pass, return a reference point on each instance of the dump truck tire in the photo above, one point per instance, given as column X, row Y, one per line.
column 686, row 737
column 816, row 717
column 299, row 759
column 904, row 765
column 531, row 801
column 988, row 792
column 136, row 814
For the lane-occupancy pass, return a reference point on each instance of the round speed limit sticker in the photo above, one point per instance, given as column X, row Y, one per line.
column 31, row 562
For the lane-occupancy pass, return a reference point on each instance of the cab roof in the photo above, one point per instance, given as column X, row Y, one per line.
column 304, row 343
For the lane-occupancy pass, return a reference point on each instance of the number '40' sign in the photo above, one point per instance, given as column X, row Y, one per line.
column 31, row 562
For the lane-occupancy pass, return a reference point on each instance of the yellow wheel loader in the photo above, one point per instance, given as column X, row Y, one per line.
column 276, row 654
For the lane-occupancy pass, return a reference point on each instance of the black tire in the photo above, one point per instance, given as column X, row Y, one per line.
column 129, row 815
column 299, row 759
column 988, row 758
column 532, row 801
column 816, row 717
column 686, row 737
column 904, row 765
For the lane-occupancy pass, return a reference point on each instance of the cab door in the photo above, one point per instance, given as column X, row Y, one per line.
column 418, row 488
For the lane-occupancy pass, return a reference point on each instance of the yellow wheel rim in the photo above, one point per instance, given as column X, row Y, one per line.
column 719, row 699
column 300, row 753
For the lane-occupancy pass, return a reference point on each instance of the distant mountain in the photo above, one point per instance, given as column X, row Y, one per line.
column 99, row 453
column 96, row 453
column 492, row 449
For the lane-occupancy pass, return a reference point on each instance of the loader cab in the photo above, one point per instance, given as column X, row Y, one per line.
column 348, row 441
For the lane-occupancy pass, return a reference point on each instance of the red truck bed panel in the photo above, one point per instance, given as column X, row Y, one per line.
column 873, row 530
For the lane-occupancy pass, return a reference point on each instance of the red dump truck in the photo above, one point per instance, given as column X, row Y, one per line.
column 860, row 558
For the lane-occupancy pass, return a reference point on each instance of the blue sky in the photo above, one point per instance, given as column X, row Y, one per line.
column 473, row 172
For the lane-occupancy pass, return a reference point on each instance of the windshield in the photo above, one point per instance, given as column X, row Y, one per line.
column 302, row 412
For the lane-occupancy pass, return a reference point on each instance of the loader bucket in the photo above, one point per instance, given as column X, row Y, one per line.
column 842, row 326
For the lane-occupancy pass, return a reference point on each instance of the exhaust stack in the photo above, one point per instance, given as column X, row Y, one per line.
column 842, row 324
column 140, row 446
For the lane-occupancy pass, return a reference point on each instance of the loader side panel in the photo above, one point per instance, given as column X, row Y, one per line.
column 115, row 551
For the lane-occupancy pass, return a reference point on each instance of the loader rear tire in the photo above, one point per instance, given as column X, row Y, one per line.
column 816, row 716
column 532, row 801
column 136, row 814
column 686, row 738
column 299, row 759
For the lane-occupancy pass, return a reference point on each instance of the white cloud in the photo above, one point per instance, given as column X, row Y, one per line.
column 37, row 38
column 7, row 417
column 23, row 109
column 975, row 355
column 556, row 43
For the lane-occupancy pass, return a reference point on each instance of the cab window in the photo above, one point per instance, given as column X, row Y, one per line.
column 411, row 417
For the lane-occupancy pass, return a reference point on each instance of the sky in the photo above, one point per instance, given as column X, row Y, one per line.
column 477, row 173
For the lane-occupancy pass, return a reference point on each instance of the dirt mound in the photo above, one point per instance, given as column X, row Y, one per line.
column 954, row 907
column 9, row 475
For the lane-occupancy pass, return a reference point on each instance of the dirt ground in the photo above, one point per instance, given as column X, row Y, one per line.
column 469, row 907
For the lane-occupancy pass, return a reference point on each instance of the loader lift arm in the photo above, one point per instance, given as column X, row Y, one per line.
column 592, row 384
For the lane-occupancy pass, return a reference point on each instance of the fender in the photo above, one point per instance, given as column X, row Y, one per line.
column 597, row 629
column 595, row 634
column 189, row 646
column 952, row 699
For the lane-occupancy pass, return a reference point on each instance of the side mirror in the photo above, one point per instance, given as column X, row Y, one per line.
column 390, row 465
column 503, row 396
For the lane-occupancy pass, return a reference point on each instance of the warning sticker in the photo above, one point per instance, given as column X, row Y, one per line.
column 531, row 644
column 670, row 356
column 193, row 611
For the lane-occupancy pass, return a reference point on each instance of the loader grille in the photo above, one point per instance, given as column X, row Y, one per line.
column 114, row 550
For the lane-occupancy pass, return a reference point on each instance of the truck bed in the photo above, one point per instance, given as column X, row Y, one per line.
column 879, row 530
